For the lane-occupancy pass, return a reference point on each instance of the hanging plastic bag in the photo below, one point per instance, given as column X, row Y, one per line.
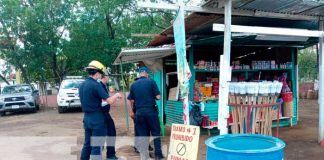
column 195, row 116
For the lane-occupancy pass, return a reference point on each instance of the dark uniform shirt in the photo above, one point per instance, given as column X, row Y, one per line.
column 105, row 108
column 91, row 95
column 143, row 92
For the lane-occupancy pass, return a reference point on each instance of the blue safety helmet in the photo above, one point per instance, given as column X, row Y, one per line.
column 143, row 69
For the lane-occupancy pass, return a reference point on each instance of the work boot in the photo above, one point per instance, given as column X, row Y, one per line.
column 144, row 156
column 151, row 154
column 112, row 158
column 159, row 157
column 150, row 148
column 135, row 150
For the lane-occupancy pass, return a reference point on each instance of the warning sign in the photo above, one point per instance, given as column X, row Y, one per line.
column 184, row 142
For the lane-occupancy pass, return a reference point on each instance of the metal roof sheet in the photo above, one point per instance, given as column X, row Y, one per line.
column 315, row 11
column 201, row 23
column 304, row 7
column 192, row 21
column 136, row 55
column 204, row 27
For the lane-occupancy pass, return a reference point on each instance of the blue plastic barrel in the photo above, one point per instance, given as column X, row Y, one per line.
column 244, row 147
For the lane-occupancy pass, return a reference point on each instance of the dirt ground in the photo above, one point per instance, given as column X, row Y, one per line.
column 25, row 129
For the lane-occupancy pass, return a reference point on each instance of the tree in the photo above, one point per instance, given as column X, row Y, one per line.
column 32, row 32
column 47, row 40
column 48, row 24
column 103, row 27
column 13, row 34
column 307, row 64
column 5, row 71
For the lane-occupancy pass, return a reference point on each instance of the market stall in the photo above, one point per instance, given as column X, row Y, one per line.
column 267, row 55
column 249, row 64
column 254, row 58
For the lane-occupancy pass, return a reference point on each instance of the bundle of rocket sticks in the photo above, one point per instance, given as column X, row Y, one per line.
column 252, row 104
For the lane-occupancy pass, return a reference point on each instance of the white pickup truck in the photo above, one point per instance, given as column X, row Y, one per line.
column 68, row 96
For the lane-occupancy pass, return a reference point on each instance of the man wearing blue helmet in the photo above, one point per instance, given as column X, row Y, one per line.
column 143, row 94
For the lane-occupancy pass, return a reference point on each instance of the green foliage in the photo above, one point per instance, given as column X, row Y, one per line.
column 48, row 39
column 33, row 28
column 307, row 65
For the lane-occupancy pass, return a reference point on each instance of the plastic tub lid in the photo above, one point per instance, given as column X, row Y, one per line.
column 245, row 143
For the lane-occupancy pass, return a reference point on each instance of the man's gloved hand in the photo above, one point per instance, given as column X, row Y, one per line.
column 118, row 95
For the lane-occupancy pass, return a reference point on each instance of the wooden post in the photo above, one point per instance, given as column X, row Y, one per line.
column 161, row 111
column 294, row 80
column 193, row 73
column 321, row 91
column 124, row 94
column 223, row 111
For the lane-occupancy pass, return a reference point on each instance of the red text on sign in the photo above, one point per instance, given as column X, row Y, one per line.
column 177, row 158
column 180, row 137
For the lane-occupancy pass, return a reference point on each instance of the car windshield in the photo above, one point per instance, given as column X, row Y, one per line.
column 16, row 89
column 69, row 84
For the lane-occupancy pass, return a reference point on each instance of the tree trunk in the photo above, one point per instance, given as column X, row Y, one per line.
column 109, row 27
column 55, row 69
column 24, row 74
column 23, row 71
column 4, row 79
column 126, row 81
column 62, row 74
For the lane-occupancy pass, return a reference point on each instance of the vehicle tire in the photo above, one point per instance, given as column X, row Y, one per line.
column 60, row 109
column 34, row 110
column 37, row 106
column 2, row 113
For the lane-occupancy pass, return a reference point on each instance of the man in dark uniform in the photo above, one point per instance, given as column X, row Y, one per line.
column 111, row 129
column 95, row 125
column 132, row 112
column 142, row 96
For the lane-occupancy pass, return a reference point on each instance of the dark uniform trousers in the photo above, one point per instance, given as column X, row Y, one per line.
column 95, row 128
column 111, row 129
column 146, row 124
column 111, row 133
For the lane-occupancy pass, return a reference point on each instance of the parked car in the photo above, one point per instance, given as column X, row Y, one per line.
column 68, row 96
column 22, row 97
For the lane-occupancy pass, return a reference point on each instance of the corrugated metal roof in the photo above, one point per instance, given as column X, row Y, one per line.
column 136, row 55
column 204, row 28
column 314, row 11
column 201, row 24
column 304, row 7
column 192, row 21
